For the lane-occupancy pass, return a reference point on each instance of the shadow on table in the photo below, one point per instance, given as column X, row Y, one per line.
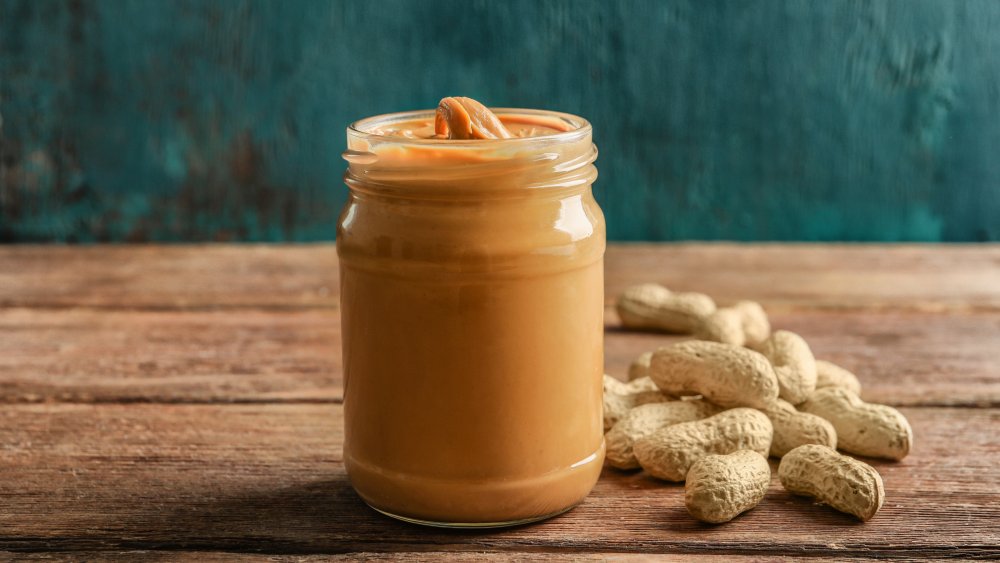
column 328, row 517
column 318, row 517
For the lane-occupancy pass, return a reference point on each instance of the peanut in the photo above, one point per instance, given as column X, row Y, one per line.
column 725, row 325
column 465, row 118
column 645, row 420
column 613, row 385
column 737, row 362
column 743, row 324
column 829, row 374
column 862, row 428
column 793, row 363
column 619, row 397
column 844, row 483
column 652, row 306
column 669, row 452
column 793, row 428
column 721, row 487
column 640, row 366
column 726, row 375
column 756, row 326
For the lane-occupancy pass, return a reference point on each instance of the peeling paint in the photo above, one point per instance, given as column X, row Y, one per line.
column 138, row 120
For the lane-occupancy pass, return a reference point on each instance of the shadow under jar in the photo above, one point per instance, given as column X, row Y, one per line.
column 472, row 307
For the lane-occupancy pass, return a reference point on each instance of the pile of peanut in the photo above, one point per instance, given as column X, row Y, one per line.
column 709, row 411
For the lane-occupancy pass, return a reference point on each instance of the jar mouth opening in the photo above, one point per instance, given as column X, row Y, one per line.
column 366, row 129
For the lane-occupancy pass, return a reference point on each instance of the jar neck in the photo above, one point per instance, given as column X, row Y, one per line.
column 460, row 170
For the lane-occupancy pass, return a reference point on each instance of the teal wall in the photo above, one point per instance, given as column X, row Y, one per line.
column 768, row 120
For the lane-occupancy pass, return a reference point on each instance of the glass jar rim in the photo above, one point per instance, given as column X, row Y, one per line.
column 361, row 129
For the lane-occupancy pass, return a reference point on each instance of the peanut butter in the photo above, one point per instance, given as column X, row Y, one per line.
column 471, row 254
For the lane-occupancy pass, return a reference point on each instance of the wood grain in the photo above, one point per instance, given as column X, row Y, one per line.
column 169, row 277
column 901, row 358
column 782, row 277
column 268, row 478
column 808, row 276
column 262, row 355
column 87, row 355
column 182, row 403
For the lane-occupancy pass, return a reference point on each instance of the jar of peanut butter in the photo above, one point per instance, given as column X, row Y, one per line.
column 471, row 271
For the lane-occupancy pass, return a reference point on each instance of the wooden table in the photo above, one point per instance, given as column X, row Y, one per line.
column 184, row 402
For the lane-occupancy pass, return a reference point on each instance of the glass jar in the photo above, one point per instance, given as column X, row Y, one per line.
column 472, row 305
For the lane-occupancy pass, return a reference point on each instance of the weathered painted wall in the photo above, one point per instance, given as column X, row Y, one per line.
column 780, row 120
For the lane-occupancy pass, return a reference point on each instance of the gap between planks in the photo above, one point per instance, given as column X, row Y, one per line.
column 409, row 556
column 65, row 548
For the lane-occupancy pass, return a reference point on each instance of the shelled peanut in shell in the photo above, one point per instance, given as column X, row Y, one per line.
column 720, row 373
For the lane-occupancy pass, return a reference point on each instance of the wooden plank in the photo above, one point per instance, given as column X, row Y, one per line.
column 169, row 277
column 815, row 276
column 85, row 355
column 920, row 277
column 268, row 479
column 901, row 358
